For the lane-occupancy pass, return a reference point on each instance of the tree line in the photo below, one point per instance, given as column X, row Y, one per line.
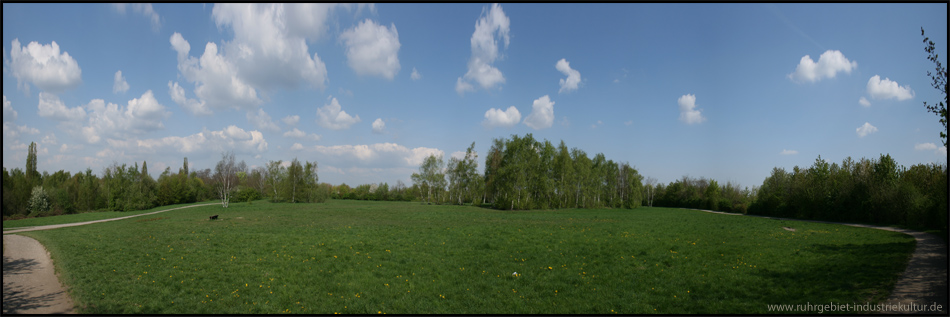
column 520, row 173
column 28, row 193
column 875, row 191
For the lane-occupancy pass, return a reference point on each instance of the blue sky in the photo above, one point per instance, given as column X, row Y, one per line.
column 722, row 91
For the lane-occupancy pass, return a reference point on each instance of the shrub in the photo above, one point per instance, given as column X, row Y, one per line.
column 39, row 202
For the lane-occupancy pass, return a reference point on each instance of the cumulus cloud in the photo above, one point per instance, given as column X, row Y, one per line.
column 44, row 67
column 415, row 74
column 51, row 107
column 269, row 48
column 573, row 76
column 261, row 120
column 144, row 9
column 866, row 129
column 195, row 107
column 332, row 116
column 384, row 154
column 119, row 84
column 942, row 151
column 485, row 50
column 372, row 49
column 217, row 84
column 829, row 64
column 925, row 146
column 542, row 114
column 864, row 102
column 688, row 111
column 296, row 147
column 297, row 134
column 291, row 120
column 138, row 116
column 887, row 89
column 9, row 115
column 789, row 152
column 498, row 118
column 205, row 143
column 378, row 126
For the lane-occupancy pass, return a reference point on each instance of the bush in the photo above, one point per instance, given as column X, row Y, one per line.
column 246, row 194
column 39, row 202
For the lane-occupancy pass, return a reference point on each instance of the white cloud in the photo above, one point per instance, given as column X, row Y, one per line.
column 291, row 120
column 542, row 114
column 269, row 48
column 297, row 134
column 216, row 81
column 50, row 138
column 261, row 120
column 458, row 155
column 51, row 107
column 866, row 129
column 191, row 105
column 688, row 111
column 143, row 9
column 497, row 118
column 573, row 76
column 296, row 147
column 119, row 84
column 12, row 131
column 789, row 152
column 461, row 86
column 887, row 89
column 379, row 126
column 9, row 115
column 925, row 146
column 415, row 74
column 829, row 64
column 597, row 124
column 138, row 116
column 864, row 102
column 204, row 143
column 485, row 50
column 628, row 123
column 372, row 49
column 331, row 116
column 381, row 154
column 44, row 67
column 942, row 151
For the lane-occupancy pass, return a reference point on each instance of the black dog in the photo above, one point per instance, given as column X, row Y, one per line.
column 214, row 217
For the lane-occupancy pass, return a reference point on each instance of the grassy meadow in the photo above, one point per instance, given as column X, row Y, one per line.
column 372, row 257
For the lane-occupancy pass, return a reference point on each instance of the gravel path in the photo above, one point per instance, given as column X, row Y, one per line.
column 30, row 284
column 923, row 283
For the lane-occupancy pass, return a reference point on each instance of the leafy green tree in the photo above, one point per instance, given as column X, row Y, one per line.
column 430, row 177
column 939, row 82
column 275, row 178
column 32, row 176
column 225, row 177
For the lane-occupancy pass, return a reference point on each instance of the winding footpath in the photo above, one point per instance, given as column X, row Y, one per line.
column 30, row 284
column 922, row 284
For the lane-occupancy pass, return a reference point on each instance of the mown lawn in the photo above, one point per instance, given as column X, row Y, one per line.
column 398, row 257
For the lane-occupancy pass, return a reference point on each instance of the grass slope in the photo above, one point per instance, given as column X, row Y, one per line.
column 395, row 257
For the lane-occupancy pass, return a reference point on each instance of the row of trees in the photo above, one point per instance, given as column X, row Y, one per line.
column 876, row 191
column 123, row 187
column 701, row 193
column 524, row 173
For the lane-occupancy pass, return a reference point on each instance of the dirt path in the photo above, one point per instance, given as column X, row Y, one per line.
column 30, row 284
column 923, row 283
column 47, row 227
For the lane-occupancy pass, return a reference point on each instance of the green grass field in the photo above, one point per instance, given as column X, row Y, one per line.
column 399, row 257
column 81, row 217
